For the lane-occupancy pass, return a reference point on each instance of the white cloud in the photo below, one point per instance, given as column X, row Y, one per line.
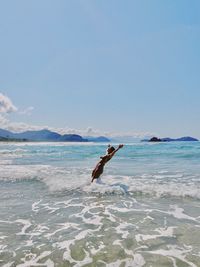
column 3, row 121
column 21, row 127
column 6, row 105
column 95, row 132
column 26, row 111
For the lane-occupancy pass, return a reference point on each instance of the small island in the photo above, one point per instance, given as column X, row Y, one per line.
column 167, row 139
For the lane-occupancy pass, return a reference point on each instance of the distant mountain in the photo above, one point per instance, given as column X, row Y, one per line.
column 72, row 138
column 47, row 135
column 185, row 138
column 41, row 135
column 167, row 139
column 6, row 139
column 5, row 133
column 98, row 139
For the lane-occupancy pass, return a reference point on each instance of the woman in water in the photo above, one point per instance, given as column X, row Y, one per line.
column 98, row 170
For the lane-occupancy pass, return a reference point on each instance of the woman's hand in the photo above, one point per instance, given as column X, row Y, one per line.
column 120, row 146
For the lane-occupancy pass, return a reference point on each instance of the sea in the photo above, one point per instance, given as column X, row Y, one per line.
column 144, row 211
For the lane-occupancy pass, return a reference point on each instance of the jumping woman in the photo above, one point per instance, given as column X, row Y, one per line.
column 98, row 170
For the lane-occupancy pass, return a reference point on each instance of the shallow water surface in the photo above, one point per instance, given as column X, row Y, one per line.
column 145, row 211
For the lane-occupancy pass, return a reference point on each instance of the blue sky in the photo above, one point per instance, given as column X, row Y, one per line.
column 116, row 66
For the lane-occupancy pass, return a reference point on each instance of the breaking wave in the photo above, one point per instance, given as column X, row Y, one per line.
column 62, row 178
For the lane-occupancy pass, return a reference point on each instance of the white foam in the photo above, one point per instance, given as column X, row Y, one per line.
column 66, row 245
column 53, row 144
column 22, row 172
column 35, row 207
column 34, row 261
column 65, row 226
column 104, row 188
column 26, row 224
column 178, row 213
column 174, row 253
column 148, row 186
column 6, row 162
column 3, row 237
column 94, row 251
column 138, row 261
column 9, row 264
column 49, row 208
column 163, row 232
column 2, row 247
column 96, row 220
column 71, row 178
column 12, row 151
column 122, row 229
column 56, row 178
column 87, row 260
column 29, row 243
column 110, row 216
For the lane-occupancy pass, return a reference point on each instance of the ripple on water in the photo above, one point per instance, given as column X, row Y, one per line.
column 106, row 231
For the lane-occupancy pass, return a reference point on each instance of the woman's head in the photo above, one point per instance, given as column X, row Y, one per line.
column 110, row 149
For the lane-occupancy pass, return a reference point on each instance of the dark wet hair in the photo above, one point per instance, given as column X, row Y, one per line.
column 111, row 148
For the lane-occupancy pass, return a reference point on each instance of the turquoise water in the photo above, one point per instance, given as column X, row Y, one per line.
column 145, row 211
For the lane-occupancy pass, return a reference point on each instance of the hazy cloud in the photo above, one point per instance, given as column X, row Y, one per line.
column 26, row 111
column 3, row 121
column 21, row 127
column 6, row 105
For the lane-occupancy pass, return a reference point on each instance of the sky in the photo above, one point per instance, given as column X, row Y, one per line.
column 101, row 67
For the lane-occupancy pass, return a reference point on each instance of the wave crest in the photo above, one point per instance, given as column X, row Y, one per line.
column 70, row 179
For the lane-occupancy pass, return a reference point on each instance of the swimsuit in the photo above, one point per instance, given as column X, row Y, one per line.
column 99, row 168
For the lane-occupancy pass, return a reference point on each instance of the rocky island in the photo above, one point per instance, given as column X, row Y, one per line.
column 167, row 139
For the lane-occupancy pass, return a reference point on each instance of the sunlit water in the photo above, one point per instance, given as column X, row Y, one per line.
column 144, row 212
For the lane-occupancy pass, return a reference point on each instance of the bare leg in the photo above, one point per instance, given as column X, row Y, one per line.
column 93, row 178
column 97, row 172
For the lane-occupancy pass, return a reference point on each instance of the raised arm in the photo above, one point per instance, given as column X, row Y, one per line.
column 113, row 153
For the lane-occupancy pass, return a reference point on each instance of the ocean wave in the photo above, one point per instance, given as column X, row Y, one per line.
column 137, row 186
column 78, row 179
column 12, row 151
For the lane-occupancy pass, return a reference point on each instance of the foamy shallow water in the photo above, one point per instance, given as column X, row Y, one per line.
column 144, row 212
